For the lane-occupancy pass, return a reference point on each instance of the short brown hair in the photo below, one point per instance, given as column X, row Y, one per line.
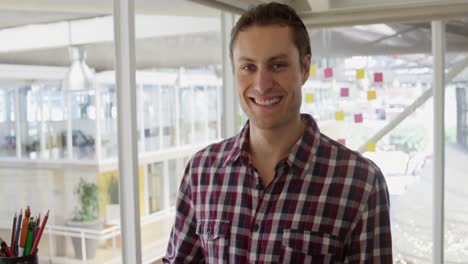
column 273, row 14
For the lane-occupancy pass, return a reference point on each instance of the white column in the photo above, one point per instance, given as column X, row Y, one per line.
column 229, row 88
column 42, row 134
column 219, row 110
column 438, row 87
column 18, row 124
column 141, row 115
column 160, row 118
column 206, row 122
column 69, row 126
column 178, row 118
column 97, row 120
column 146, row 190
column 166, row 191
column 124, row 35
column 192, row 137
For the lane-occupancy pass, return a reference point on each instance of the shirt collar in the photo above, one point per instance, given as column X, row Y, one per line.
column 302, row 154
column 240, row 147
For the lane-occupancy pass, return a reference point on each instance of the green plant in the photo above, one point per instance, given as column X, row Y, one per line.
column 409, row 138
column 113, row 190
column 88, row 199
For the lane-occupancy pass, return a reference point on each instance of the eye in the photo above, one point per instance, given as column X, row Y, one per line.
column 248, row 67
column 279, row 65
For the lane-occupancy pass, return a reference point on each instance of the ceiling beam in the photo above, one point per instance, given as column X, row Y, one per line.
column 319, row 5
column 233, row 6
column 460, row 30
column 396, row 34
column 59, row 6
column 401, row 13
column 105, row 7
column 99, row 30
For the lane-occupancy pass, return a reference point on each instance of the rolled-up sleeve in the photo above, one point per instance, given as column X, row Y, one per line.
column 184, row 245
column 371, row 239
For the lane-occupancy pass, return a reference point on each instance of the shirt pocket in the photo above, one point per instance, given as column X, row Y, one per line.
column 300, row 246
column 214, row 237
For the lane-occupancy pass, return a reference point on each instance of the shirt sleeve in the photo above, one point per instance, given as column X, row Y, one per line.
column 371, row 239
column 184, row 245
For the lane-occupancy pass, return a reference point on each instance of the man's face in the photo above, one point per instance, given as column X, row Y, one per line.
column 269, row 75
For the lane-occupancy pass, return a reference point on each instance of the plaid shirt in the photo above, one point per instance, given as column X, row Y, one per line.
column 326, row 204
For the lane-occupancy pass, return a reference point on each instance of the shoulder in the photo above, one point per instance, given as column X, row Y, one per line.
column 349, row 163
column 215, row 154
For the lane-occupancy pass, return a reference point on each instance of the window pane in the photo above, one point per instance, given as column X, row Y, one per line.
column 179, row 86
column 362, row 78
column 108, row 120
column 58, row 147
column 7, row 122
column 83, row 116
column 456, row 147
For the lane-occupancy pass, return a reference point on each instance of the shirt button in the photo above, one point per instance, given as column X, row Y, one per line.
column 259, row 186
column 256, row 227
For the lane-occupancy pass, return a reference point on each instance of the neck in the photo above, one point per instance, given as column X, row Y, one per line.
column 275, row 143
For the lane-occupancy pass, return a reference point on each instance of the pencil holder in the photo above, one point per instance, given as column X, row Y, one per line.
column 31, row 259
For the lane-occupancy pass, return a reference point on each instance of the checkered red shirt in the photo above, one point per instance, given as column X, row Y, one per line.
column 326, row 204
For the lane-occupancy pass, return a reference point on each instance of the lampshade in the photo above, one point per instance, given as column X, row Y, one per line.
column 79, row 77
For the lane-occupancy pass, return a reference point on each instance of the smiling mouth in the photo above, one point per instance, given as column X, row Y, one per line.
column 266, row 102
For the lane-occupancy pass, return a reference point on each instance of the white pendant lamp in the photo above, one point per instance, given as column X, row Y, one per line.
column 79, row 77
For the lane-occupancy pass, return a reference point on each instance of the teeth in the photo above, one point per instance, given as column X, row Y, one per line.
column 267, row 102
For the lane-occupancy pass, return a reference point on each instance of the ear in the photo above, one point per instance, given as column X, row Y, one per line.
column 306, row 68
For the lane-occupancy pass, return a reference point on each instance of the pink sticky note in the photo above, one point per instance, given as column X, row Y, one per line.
column 344, row 92
column 358, row 118
column 328, row 72
column 378, row 77
column 342, row 141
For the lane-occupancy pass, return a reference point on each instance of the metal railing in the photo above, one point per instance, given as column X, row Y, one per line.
column 107, row 233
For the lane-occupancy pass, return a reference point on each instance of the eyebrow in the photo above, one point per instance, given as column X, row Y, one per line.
column 276, row 57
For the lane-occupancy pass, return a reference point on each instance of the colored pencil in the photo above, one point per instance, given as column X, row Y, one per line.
column 39, row 234
column 29, row 239
column 35, row 231
column 38, row 221
column 13, row 231
column 24, row 231
column 18, row 229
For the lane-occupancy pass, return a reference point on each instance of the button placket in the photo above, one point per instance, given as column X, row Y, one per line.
column 256, row 227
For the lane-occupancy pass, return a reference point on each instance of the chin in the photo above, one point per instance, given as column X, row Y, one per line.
column 265, row 124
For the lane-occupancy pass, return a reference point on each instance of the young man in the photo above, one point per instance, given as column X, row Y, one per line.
column 279, row 191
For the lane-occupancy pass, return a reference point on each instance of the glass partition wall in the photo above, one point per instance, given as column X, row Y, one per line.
column 363, row 82
column 55, row 132
column 371, row 89
column 179, row 86
column 7, row 122
column 455, row 143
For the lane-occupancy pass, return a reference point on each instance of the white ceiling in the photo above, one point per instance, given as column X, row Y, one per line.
column 193, row 47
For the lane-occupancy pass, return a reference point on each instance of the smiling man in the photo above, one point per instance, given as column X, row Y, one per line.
column 279, row 191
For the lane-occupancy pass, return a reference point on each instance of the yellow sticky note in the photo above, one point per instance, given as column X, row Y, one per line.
column 370, row 147
column 309, row 98
column 339, row 115
column 312, row 70
column 371, row 95
column 239, row 120
column 360, row 74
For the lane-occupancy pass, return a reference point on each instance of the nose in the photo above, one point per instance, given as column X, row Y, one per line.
column 263, row 81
